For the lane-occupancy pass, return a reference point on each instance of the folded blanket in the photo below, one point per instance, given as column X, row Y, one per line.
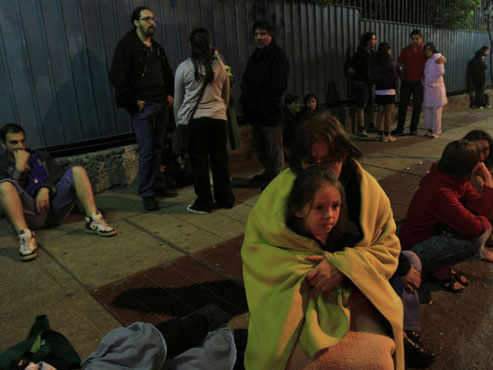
column 275, row 265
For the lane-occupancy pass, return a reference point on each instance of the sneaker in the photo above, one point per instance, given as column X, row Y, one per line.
column 415, row 354
column 192, row 208
column 150, row 204
column 27, row 245
column 391, row 138
column 362, row 133
column 97, row 224
column 382, row 138
column 428, row 133
column 434, row 136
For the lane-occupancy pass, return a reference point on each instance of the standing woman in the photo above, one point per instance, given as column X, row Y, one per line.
column 384, row 74
column 202, row 94
column 435, row 95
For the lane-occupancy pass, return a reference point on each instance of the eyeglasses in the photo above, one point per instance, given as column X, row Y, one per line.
column 149, row 19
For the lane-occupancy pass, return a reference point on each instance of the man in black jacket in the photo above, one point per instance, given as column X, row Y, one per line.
column 35, row 192
column 144, row 85
column 263, row 84
column 476, row 78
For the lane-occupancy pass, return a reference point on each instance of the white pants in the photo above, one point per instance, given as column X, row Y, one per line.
column 433, row 119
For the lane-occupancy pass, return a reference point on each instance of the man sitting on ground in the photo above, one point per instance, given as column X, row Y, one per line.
column 35, row 192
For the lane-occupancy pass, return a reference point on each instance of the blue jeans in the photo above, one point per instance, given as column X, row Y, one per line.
column 410, row 300
column 448, row 249
column 149, row 129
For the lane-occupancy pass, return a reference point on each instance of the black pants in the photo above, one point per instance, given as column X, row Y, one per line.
column 208, row 143
column 183, row 334
column 478, row 98
column 416, row 90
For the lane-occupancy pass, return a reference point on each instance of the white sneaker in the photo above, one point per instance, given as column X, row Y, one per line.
column 97, row 224
column 27, row 245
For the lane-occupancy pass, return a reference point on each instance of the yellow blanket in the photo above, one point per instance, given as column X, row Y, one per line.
column 274, row 266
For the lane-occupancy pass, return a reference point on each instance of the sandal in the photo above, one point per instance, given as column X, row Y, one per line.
column 452, row 285
column 459, row 277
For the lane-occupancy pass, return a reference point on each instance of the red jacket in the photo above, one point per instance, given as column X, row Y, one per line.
column 414, row 61
column 444, row 200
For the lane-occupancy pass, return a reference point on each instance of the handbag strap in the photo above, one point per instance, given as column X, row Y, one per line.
column 201, row 94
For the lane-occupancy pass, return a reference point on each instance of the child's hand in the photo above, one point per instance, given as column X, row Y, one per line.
column 324, row 278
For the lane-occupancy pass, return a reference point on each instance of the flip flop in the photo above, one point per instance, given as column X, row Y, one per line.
column 459, row 276
column 452, row 285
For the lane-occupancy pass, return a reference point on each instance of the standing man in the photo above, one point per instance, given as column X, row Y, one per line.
column 476, row 79
column 412, row 64
column 144, row 85
column 361, row 86
column 263, row 84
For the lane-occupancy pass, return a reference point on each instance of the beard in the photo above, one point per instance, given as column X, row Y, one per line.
column 149, row 31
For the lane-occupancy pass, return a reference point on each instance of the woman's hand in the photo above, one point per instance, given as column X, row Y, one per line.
column 412, row 280
column 482, row 175
column 324, row 278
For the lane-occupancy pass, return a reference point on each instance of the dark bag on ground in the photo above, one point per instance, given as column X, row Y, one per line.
column 42, row 344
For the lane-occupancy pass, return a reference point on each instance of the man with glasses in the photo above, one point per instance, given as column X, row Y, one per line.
column 144, row 85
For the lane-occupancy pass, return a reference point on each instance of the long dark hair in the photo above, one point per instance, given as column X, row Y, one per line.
column 202, row 54
column 383, row 56
column 432, row 47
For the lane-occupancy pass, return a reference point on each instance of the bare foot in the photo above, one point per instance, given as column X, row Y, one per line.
column 487, row 255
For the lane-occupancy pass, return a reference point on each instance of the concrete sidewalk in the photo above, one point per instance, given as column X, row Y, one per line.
column 74, row 266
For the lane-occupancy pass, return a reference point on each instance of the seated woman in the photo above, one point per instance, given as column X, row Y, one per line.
column 483, row 141
column 315, row 303
column 448, row 219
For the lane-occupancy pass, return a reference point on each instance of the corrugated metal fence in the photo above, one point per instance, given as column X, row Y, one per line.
column 55, row 54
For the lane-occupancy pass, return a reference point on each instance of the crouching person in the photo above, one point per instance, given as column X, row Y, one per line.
column 448, row 220
column 36, row 193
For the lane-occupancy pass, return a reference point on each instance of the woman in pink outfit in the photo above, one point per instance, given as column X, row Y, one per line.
column 435, row 95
